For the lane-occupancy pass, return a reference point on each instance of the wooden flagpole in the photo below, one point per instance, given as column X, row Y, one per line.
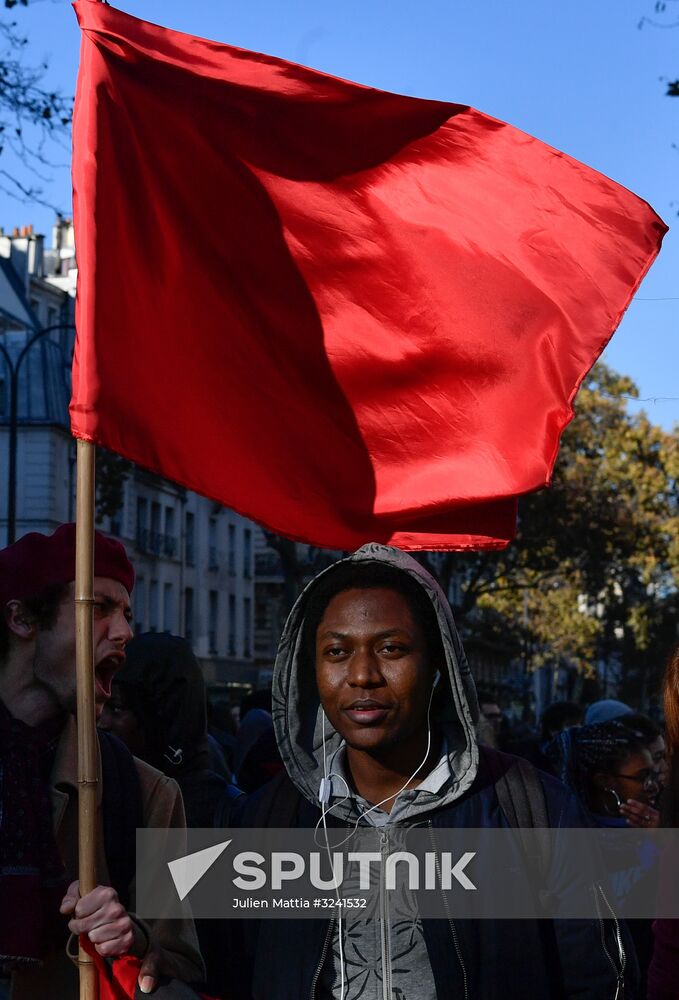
column 87, row 735
column 88, row 777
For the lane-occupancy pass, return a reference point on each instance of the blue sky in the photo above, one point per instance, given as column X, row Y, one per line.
column 578, row 74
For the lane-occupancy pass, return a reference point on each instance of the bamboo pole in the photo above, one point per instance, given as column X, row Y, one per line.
column 87, row 736
column 88, row 777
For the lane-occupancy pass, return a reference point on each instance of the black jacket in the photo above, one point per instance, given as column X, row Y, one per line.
column 473, row 959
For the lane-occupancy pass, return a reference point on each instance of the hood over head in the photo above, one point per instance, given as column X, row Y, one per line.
column 164, row 687
column 605, row 710
column 297, row 713
column 255, row 724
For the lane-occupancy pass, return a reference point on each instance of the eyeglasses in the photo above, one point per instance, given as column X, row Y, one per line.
column 647, row 779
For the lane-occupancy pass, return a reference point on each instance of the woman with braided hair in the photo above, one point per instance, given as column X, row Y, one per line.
column 610, row 767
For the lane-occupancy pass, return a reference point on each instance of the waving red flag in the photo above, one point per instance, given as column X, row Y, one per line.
column 347, row 314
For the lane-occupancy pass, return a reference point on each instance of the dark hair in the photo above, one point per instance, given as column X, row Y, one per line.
column 372, row 576
column 260, row 698
column 556, row 715
column 642, row 725
column 581, row 751
column 41, row 608
column 163, row 686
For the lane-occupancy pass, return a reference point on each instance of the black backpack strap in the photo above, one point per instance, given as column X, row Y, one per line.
column 123, row 812
column 521, row 797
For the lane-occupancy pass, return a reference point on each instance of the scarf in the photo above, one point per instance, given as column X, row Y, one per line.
column 32, row 877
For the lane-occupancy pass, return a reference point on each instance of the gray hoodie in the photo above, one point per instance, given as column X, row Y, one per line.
column 384, row 958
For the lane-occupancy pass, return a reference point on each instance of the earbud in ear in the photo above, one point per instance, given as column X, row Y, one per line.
column 437, row 678
column 324, row 790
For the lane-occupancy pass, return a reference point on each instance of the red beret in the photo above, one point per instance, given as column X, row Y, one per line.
column 36, row 561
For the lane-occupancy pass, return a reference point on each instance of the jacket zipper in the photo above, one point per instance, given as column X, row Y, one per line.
column 324, row 952
column 384, row 919
column 453, row 929
column 619, row 972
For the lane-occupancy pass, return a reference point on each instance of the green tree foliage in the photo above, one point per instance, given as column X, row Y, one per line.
column 593, row 570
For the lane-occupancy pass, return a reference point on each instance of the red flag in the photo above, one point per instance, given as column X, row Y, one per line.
column 347, row 314
column 117, row 980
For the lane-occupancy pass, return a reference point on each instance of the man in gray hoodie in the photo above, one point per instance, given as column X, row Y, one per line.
column 374, row 710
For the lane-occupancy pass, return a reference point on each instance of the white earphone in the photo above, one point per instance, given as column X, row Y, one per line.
column 324, row 791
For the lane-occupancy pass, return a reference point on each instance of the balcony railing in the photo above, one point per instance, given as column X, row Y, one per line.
column 156, row 542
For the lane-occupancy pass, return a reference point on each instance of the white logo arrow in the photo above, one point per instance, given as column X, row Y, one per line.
column 188, row 870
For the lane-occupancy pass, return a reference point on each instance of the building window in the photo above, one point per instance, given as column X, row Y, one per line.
column 116, row 519
column 142, row 523
column 188, row 614
column 139, row 604
column 232, row 550
column 232, row 625
column 213, row 612
column 261, row 614
column 247, row 553
column 190, row 541
column 212, row 543
column 155, row 541
column 153, row 606
column 169, row 541
column 247, row 626
column 168, row 608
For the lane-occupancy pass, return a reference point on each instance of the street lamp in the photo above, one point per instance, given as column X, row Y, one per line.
column 14, row 418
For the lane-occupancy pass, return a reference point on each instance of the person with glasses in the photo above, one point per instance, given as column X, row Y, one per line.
column 636, row 812
column 610, row 766
column 611, row 769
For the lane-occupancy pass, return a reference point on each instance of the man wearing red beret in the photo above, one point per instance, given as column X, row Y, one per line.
column 38, row 790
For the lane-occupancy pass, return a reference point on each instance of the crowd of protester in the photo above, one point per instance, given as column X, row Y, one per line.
column 615, row 760
column 622, row 766
column 619, row 764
